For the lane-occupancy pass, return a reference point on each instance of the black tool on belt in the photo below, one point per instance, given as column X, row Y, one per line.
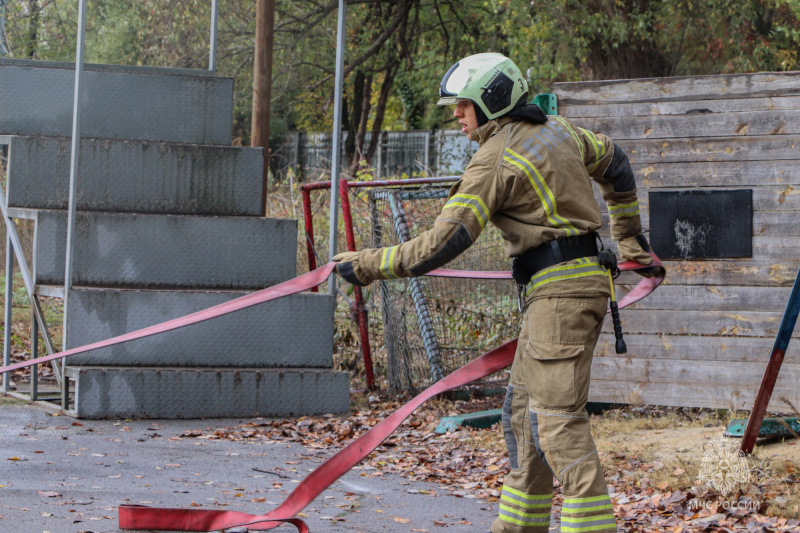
column 607, row 258
column 526, row 265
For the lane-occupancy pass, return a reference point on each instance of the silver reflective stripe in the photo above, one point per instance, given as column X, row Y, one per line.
column 550, row 275
column 387, row 262
column 472, row 202
column 623, row 210
column 542, row 190
column 576, row 505
column 587, row 524
column 518, row 517
column 533, row 502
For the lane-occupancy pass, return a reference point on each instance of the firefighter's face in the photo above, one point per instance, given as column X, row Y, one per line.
column 465, row 114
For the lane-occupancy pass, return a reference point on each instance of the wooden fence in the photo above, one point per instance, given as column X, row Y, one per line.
column 703, row 339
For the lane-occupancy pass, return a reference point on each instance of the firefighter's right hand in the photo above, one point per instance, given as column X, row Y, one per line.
column 348, row 268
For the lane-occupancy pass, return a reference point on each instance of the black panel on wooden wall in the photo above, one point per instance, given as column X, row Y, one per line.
column 701, row 224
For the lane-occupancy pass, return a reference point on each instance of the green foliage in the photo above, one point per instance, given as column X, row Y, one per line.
column 557, row 40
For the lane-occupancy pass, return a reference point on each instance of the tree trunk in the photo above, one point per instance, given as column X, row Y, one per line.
column 380, row 109
column 33, row 29
column 354, row 123
column 262, row 86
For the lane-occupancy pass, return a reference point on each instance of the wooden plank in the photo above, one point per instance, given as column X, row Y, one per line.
column 692, row 394
column 765, row 223
column 728, row 272
column 720, row 323
column 695, row 348
column 748, row 123
column 710, row 298
column 763, row 84
column 775, row 199
column 629, row 369
column 783, row 249
column 680, row 107
column 687, row 150
column 718, row 173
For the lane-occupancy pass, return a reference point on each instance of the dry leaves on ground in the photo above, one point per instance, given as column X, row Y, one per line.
column 472, row 463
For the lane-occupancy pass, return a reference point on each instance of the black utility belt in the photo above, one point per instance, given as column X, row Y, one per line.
column 533, row 260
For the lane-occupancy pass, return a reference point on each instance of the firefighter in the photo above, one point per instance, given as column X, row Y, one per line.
column 531, row 177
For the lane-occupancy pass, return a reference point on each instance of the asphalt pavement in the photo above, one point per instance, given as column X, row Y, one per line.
column 62, row 475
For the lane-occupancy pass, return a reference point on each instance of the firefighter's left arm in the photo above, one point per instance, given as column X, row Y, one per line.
column 472, row 201
column 608, row 164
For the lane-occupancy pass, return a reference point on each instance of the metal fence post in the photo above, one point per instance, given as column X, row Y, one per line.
column 73, row 179
column 337, row 137
column 212, row 48
column 8, row 311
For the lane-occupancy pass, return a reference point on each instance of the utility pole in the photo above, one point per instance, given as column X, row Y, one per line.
column 262, row 85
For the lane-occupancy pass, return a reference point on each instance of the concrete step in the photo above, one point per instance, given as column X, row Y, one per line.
column 136, row 177
column 165, row 251
column 296, row 331
column 140, row 103
column 128, row 392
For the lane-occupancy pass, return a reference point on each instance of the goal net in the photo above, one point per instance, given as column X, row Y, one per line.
column 429, row 326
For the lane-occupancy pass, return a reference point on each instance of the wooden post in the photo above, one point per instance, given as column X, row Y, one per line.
column 262, row 85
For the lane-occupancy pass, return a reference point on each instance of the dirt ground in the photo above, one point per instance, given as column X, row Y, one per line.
column 685, row 444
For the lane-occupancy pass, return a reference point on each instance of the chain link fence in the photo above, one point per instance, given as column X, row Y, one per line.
column 429, row 327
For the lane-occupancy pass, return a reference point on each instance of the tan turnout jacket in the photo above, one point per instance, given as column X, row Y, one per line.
column 533, row 182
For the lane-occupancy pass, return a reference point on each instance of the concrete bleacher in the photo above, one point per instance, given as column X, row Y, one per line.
column 168, row 223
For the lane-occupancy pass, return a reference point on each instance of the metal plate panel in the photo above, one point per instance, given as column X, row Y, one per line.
column 147, row 105
column 141, row 177
column 102, row 392
column 702, row 224
column 253, row 337
column 166, row 251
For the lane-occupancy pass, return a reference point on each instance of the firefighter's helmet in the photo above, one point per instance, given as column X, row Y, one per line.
column 492, row 81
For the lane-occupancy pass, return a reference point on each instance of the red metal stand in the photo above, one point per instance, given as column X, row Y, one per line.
column 358, row 307
column 309, row 223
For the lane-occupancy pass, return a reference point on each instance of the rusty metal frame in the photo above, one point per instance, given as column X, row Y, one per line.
column 358, row 308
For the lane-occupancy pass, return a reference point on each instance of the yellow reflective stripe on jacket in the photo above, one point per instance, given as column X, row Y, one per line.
column 599, row 148
column 559, row 273
column 514, row 516
column 387, row 262
column 542, row 190
column 473, row 202
column 566, row 124
column 623, row 210
column 528, row 501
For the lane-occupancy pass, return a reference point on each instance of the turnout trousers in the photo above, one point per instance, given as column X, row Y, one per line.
column 545, row 423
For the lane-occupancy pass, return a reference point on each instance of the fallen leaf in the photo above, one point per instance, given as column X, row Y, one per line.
column 402, row 520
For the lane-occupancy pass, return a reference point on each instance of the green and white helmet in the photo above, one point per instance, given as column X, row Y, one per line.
column 492, row 81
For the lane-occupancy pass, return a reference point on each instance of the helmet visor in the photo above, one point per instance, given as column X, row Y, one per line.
column 448, row 100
